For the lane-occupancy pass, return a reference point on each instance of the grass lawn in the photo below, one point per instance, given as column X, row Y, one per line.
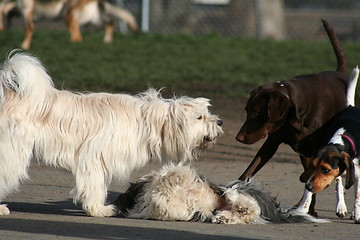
column 186, row 65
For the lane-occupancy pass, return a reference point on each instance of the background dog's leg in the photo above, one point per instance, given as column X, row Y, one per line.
column 73, row 27
column 28, row 9
column 29, row 32
column 2, row 6
column 341, row 209
column 6, row 7
column 109, row 32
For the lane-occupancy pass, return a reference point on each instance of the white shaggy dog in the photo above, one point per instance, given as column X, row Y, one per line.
column 97, row 137
column 177, row 192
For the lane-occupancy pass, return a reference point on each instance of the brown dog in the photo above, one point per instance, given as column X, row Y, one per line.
column 287, row 111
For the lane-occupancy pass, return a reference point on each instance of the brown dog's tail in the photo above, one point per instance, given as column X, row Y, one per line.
column 340, row 57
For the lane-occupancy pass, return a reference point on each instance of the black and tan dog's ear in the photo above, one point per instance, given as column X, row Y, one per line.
column 350, row 170
column 309, row 169
column 278, row 106
column 305, row 176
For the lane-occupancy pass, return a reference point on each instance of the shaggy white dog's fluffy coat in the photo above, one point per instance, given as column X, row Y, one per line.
column 96, row 136
column 177, row 192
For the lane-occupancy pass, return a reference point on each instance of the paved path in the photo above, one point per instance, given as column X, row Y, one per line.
column 42, row 210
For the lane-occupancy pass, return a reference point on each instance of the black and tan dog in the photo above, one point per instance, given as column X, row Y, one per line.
column 76, row 14
column 340, row 138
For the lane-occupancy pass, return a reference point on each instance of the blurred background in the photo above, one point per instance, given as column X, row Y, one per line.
column 195, row 47
column 277, row 19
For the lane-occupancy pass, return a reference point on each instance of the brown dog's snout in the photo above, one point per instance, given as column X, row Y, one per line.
column 239, row 137
column 251, row 135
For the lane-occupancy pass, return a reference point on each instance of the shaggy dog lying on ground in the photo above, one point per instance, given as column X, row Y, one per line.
column 177, row 192
column 98, row 137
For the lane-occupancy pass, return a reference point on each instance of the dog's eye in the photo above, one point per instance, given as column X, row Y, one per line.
column 324, row 170
column 199, row 118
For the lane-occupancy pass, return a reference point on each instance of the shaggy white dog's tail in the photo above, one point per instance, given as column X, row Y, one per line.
column 351, row 90
column 25, row 76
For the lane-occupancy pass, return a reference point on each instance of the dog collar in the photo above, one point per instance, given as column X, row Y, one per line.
column 351, row 143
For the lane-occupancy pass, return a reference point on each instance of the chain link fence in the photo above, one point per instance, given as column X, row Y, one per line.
column 276, row 19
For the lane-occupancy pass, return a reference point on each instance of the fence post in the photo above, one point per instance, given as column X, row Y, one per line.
column 145, row 15
column 269, row 19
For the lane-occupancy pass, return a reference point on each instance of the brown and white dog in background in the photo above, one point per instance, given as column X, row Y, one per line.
column 6, row 6
column 77, row 13
column 288, row 111
column 340, row 154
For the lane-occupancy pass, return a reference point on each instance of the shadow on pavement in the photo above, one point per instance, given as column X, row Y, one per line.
column 100, row 231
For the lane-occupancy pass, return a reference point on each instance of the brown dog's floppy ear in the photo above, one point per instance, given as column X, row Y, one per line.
column 350, row 170
column 278, row 106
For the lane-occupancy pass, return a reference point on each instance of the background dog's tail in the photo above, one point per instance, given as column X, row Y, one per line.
column 340, row 57
column 122, row 14
column 24, row 75
column 351, row 90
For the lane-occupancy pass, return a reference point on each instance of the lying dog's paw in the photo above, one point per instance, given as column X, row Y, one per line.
column 221, row 218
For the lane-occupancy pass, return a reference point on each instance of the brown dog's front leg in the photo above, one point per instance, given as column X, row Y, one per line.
column 267, row 150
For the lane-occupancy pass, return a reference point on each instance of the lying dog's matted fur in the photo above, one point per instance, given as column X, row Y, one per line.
column 97, row 136
column 177, row 192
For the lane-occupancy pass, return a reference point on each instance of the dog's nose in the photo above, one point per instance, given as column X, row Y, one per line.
column 219, row 122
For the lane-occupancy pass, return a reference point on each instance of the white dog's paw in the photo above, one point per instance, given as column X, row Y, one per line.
column 4, row 210
column 341, row 210
column 101, row 211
